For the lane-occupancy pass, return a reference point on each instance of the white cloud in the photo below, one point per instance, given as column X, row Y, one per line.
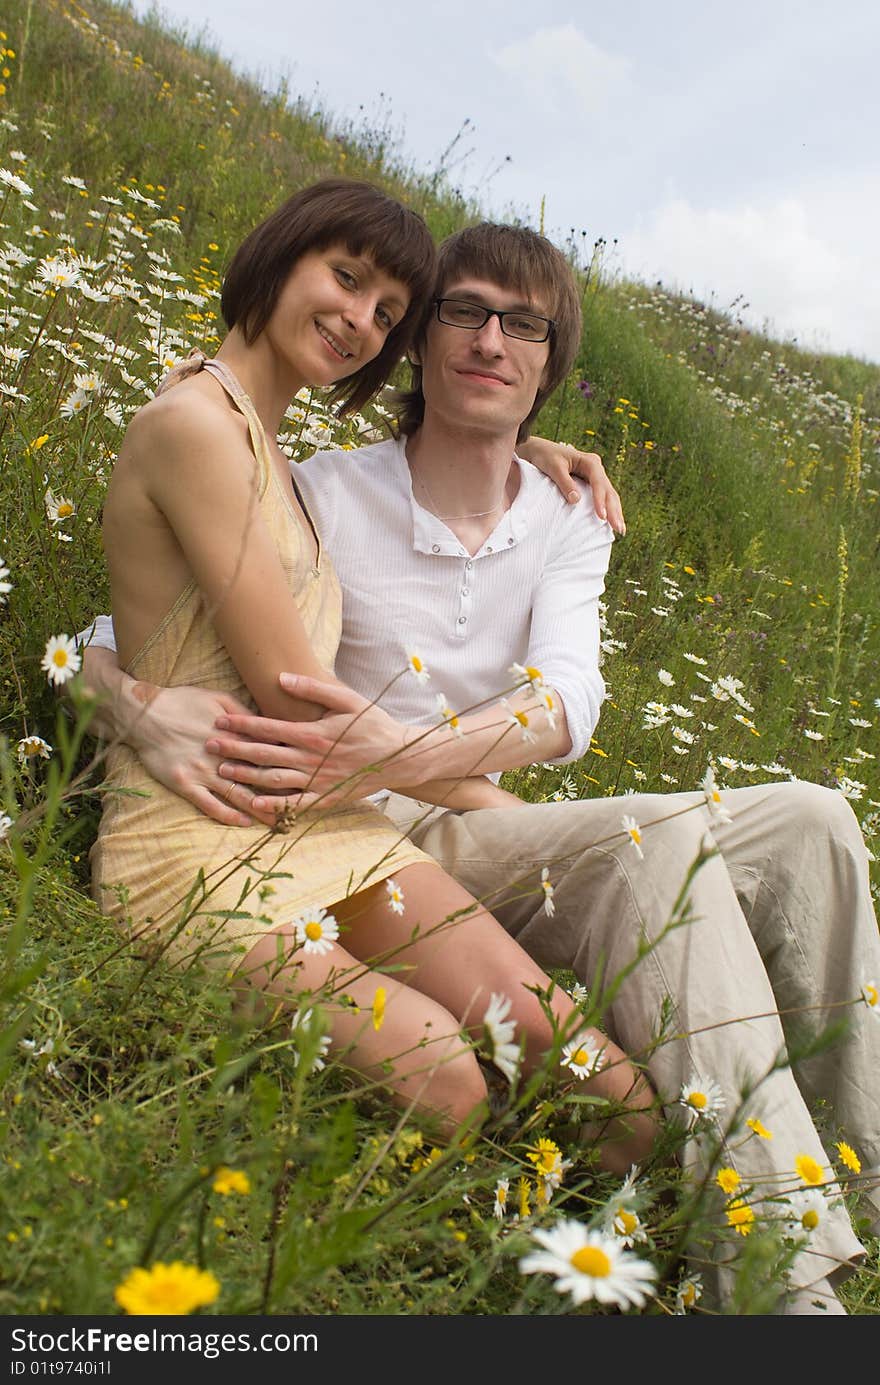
column 560, row 72
column 802, row 271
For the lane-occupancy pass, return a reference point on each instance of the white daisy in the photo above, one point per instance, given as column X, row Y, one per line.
column 5, row 584
column 626, row 1226
column 694, row 659
column 812, row 735
column 738, row 716
column 582, row 1056
column 690, row 1289
column 525, row 673
column 395, row 896
column 546, row 886
column 58, row 273
column 499, row 1032
column 871, row 997
column 665, row 677
column 590, row 1265
column 546, row 700
column 305, row 1022
column 58, row 508
column 12, row 180
column 579, row 993
column 701, row 1099
column 713, row 797
column 316, row 931
column 74, row 404
column 5, row 824
column 520, row 719
column 633, row 831
column 417, row 668
column 88, row 382
column 804, row 1211
column 31, row 747
column 61, row 660
column 502, row 1188
column 447, row 715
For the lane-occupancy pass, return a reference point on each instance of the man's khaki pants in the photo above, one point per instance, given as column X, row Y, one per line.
column 780, row 939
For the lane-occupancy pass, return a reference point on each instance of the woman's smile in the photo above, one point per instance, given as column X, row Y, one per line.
column 335, row 343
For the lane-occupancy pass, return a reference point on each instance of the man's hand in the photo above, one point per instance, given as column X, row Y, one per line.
column 353, row 750
column 560, row 461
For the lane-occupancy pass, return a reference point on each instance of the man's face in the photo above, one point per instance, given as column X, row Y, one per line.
column 482, row 380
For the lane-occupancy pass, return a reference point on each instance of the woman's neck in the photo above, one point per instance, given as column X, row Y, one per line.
column 269, row 386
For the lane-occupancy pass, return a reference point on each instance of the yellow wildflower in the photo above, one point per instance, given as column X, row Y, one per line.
column 849, row 1157
column 173, row 1289
column 728, row 1180
column 231, row 1181
column 740, row 1216
column 809, row 1170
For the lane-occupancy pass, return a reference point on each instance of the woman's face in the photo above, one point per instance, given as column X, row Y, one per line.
column 334, row 314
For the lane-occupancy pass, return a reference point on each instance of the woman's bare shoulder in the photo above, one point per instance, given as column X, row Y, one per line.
column 179, row 416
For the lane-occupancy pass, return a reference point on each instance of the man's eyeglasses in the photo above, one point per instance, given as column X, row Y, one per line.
column 457, row 312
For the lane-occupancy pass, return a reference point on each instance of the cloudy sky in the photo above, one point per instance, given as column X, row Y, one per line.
column 731, row 151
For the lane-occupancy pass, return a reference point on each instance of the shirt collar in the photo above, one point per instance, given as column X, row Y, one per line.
column 430, row 535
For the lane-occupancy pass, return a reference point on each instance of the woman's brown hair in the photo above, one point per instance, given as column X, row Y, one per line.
column 334, row 211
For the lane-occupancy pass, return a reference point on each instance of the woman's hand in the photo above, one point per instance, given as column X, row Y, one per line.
column 560, row 461
column 169, row 735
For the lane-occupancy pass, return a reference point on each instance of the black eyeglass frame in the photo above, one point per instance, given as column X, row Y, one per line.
column 501, row 314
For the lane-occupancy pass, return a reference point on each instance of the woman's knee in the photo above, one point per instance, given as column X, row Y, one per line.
column 458, row 1088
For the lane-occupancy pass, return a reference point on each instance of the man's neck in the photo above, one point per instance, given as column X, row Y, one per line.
column 466, row 477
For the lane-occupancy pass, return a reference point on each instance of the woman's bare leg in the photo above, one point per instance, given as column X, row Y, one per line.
column 460, row 963
column 418, row 1054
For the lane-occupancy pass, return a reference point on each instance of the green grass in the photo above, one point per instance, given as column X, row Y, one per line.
column 749, row 546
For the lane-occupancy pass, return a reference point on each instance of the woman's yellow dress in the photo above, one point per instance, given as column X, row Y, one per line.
column 178, row 881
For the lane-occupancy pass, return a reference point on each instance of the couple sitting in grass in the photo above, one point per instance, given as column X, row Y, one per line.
column 323, row 671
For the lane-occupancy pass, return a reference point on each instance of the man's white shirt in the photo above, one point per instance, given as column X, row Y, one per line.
column 530, row 595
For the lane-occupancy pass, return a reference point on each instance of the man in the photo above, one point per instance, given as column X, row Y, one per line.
column 458, row 561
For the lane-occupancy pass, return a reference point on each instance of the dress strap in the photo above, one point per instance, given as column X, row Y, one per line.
column 197, row 361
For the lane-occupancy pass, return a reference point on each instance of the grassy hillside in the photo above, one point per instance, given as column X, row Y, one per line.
column 132, row 165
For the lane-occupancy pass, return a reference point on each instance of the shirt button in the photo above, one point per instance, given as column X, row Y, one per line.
column 462, row 620
column 510, row 541
column 468, row 565
column 489, row 548
column 465, row 591
column 435, row 548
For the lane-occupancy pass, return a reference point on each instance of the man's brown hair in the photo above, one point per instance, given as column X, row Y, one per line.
column 516, row 258
column 334, row 211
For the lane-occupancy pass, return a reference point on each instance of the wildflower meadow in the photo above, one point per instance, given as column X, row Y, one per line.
column 163, row 1153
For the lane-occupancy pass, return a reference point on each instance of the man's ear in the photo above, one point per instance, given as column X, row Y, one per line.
column 413, row 356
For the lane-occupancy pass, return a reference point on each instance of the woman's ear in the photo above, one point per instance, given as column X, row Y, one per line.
column 412, row 356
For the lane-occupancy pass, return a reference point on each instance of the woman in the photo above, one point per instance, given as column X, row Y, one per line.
column 218, row 578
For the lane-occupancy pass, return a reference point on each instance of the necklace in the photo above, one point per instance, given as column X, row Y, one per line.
column 477, row 514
